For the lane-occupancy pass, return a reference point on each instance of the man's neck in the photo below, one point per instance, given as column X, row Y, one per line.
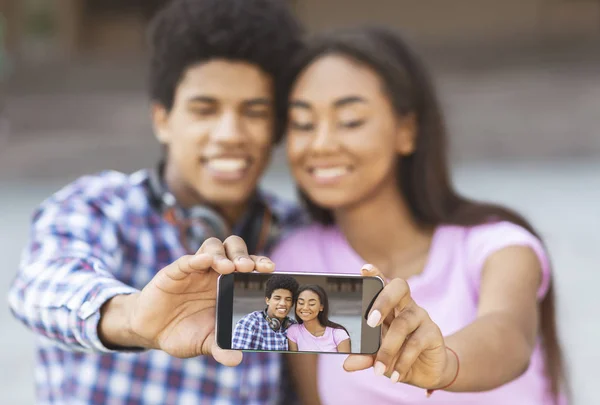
column 272, row 315
column 187, row 197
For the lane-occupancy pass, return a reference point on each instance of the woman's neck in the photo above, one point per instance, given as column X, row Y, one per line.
column 314, row 327
column 383, row 232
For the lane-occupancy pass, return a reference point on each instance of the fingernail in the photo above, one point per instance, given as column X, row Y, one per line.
column 395, row 377
column 379, row 368
column 244, row 259
column 368, row 267
column 374, row 318
column 267, row 262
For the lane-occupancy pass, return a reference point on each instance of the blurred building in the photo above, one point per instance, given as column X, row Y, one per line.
column 75, row 27
column 249, row 284
column 90, row 27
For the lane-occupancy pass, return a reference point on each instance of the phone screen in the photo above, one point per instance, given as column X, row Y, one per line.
column 297, row 312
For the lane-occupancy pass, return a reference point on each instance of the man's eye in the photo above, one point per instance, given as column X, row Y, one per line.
column 203, row 111
column 262, row 113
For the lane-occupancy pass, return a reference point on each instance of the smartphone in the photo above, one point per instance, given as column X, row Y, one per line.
column 297, row 312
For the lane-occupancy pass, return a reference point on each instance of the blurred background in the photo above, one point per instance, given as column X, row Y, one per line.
column 519, row 79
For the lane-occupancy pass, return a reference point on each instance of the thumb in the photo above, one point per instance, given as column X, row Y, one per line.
column 356, row 362
column 230, row 358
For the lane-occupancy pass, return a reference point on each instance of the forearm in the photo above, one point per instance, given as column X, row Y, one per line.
column 492, row 351
column 303, row 369
column 61, row 300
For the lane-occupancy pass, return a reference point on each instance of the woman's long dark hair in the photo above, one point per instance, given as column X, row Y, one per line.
column 323, row 316
column 423, row 177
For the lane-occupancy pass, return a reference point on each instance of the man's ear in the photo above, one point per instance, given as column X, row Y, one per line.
column 160, row 118
column 406, row 134
column 267, row 300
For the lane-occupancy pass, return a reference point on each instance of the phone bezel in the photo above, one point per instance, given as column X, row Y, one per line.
column 224, row 311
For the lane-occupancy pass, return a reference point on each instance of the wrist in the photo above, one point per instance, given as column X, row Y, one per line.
column 450, row 373
column 114, row 328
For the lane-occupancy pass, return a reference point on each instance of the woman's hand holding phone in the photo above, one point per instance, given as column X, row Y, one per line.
column 412, row 350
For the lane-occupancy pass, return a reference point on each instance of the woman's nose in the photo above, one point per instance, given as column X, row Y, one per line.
column 325, row 140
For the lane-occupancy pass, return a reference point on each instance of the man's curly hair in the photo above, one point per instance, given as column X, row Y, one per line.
column 281, row 281
column 264, row 33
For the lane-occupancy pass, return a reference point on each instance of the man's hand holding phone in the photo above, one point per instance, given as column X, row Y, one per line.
column 175, row 312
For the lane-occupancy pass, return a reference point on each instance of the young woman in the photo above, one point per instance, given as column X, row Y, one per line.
column 314, row 331
column 468, row 311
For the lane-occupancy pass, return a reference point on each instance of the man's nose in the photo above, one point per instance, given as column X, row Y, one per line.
column 228, row 129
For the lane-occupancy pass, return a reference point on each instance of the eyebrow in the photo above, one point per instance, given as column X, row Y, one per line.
column 202, row 99
column 212, row 100
column 257, row 101
column 300, row 104
column 338, row 103
column 349, row 100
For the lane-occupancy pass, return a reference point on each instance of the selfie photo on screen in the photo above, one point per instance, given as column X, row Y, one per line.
column 297, row 313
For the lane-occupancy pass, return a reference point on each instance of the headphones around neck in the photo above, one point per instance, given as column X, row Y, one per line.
column 274, row 323
column 259, row 228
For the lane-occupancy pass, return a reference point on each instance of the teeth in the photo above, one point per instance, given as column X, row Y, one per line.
column 330, row 172
column 227, row 164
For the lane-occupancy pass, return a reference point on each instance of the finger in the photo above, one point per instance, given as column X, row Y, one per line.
column 413, row 347
column 263, row 264
column 395, row 295
column 237, row 251
column 186, row 265
column 368, row 270
column 230, row 358
column 407, row 322
column 357, row 362
column 215, row 248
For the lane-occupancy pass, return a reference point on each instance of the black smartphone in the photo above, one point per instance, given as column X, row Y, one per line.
column 297, row 312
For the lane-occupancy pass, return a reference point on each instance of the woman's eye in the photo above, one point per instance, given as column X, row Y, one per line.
column 352, row 124
column 302, row 126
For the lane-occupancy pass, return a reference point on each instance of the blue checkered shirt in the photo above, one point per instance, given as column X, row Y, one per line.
column 96, row 238
column 253, row 332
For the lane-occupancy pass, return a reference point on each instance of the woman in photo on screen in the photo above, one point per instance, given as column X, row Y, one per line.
column 314, row 332
column 468, row 309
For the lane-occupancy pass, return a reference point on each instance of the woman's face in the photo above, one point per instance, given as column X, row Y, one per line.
column 344, row 136
column 308, row 305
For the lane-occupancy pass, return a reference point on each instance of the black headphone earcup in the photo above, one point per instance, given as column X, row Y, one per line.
column 214, row 224
column 260, row 228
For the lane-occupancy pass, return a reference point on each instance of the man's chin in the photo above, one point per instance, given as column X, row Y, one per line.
column 280, row 316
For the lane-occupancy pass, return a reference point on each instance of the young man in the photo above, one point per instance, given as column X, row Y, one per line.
column 119, row 278
column 266, row 330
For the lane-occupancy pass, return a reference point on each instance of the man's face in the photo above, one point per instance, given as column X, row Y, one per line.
column 218, row 133
column 280, row 303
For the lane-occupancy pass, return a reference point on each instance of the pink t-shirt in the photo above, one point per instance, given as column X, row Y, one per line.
column 448, row 288
column 305, row 340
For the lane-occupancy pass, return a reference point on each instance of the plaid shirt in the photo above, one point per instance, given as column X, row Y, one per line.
column 96, row 238
column 253, row 332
